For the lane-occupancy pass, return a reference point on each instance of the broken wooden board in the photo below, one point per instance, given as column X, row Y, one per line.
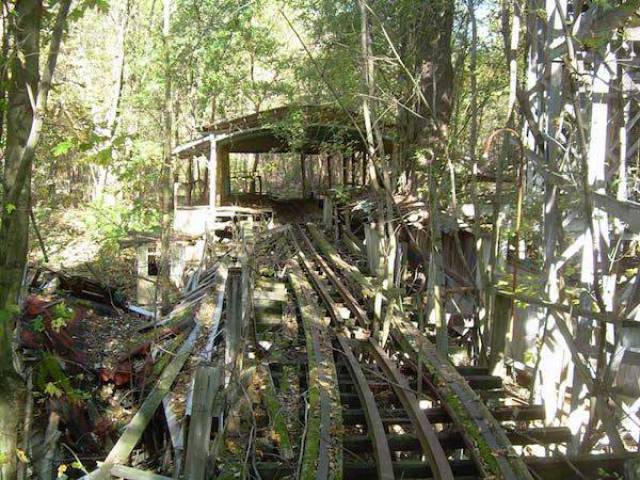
column 206, row 385
column 134, row 430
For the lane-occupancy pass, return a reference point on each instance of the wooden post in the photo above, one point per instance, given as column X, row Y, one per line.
column 213, row 173
column 345, row 170
column 223, row 175
column 330, row 171
column 353, row 169
column 327, row 212
column 205, row 387
column 233, row 323
column 363, row 158
column 372, row 240
column 498, row 333
column 303, row 174
column 189, row 192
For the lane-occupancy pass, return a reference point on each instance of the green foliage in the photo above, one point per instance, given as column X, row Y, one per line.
column 52, row 381
column 61, row 315
column 8, row 313
column 37, row 324
column 62, row 148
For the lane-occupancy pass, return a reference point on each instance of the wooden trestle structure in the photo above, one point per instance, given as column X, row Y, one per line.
column 287, row 383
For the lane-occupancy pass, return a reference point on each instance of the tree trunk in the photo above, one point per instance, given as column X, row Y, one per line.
column 23, row 131
column 166, row 177
column 4, row 67
column 101, row 171
column 435, row 75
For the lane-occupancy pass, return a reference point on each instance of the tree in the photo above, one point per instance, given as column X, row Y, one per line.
column 28, row 92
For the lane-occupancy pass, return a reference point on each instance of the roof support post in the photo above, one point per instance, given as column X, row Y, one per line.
column 345, row 169
column 213, row 173
column 353, row 169
column 303, row 174
column 223, row 174
column 364, row 167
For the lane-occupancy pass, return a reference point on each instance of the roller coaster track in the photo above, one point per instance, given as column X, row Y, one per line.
column 366, row 416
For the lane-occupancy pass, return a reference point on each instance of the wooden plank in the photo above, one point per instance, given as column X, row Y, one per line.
column 136, row 427
column 130, row 473
column 206, row 386
column 219, row 291
column 176, row 431
column 233, row 323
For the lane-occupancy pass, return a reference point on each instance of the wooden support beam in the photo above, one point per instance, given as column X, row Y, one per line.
column 498, row 332
column 327, row 212
column 345, row 170
column 363, row 160
column 372, row 239
column 206, row 386
column 212, row 172
column 223, row 175
column 559, row 307
column 329, row 171
column 233, row 324
column 353, row 169
column 303, row 174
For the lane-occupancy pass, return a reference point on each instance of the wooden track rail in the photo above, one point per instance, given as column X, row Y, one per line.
column 322, row 445
column 487, row 443
column 428, row 438
column 425, row 431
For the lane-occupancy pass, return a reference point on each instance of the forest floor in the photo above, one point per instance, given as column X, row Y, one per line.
column 77, row 243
